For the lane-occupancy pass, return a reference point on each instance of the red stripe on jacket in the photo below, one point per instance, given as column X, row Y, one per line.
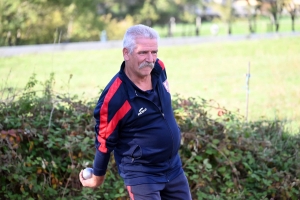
column 106, row 128
column 130, row 192
column 162, row 65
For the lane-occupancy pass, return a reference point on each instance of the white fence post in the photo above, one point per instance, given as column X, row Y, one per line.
column 247, row 91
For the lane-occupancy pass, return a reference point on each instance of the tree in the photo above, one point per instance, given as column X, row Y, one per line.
column 11, row 19
column 292, row 6
column 40, row 21
column 252, row 6
column 148, row 14
column 225, row 10
column 273, row 8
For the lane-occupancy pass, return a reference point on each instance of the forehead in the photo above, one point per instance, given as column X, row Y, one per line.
column 146, row 44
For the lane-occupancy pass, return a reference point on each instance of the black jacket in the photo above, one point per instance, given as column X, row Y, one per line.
column 145, row 137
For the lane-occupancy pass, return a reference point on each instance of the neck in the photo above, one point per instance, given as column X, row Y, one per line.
column 144, row 82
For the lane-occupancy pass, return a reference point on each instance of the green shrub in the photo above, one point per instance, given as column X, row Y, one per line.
column 47, row 138
column 225, row 158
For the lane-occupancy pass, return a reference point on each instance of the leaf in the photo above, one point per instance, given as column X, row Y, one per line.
column 121, row 190
column 255, row 177
column 222, row 169
column 198, row 158
column 210, row 151
column 86, row 140
column 216, row 141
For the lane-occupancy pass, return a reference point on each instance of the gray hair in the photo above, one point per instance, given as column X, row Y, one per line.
column 138, row 31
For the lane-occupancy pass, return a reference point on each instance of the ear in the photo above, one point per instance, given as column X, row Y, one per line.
column 125, row 54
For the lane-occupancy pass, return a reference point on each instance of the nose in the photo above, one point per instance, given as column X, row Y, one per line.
column 150, row 57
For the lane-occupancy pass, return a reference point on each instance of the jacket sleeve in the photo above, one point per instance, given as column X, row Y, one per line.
column 109, row 111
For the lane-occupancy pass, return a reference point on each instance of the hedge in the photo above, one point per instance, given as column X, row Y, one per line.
column 46, row 138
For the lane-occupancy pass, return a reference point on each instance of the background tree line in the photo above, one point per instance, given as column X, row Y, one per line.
column 51, row 21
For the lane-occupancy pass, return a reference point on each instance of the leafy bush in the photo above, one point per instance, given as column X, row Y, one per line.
column 226, row 158
column 47, row 138
column 45, row 141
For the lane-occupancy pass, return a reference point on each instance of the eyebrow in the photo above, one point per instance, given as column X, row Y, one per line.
column 145, row 51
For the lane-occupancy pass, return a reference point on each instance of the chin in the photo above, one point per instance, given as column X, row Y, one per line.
column 148, row 69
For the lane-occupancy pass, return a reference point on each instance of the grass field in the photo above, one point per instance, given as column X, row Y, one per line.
column 212, row 71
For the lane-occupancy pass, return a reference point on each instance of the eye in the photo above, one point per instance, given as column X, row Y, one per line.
column 143, row 52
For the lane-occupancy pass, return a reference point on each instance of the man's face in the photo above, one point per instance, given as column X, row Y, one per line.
column 141, row 61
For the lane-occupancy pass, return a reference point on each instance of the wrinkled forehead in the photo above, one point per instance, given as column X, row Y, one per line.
column 146, row 43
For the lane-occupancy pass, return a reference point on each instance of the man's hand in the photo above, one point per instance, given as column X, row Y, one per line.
column 93, row 182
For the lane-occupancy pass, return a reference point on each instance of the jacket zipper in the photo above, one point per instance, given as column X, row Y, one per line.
column 163, row 115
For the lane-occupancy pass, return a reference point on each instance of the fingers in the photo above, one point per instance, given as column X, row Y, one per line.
column 81, row 177
column 86, row 182
column 93, row 182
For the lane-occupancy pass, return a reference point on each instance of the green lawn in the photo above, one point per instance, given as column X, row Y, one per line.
column 212, row 71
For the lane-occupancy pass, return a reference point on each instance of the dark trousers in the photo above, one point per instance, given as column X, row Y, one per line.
column 175, row 189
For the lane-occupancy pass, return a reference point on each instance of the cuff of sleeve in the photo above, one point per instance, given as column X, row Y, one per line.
column 100, row 163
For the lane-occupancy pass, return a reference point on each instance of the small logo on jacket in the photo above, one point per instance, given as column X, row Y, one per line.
column 166, row 84
column 142, row 110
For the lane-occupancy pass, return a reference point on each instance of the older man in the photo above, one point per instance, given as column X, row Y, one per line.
column 134, row 118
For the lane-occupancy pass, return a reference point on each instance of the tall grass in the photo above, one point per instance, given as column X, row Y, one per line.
column 211, row 71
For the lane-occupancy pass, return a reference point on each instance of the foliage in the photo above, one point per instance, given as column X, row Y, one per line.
column 114, row 33
column 225, row 158
column 226, row 12
column 42, row 22
column 48, row 21
column 47, row 138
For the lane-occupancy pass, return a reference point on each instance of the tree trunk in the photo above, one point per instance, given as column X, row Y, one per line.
column 277, row 26
column 274, row 21
column 70, row 29
column 250, row 25
column 229, row 28
column 254, row 23
column 293, row 22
